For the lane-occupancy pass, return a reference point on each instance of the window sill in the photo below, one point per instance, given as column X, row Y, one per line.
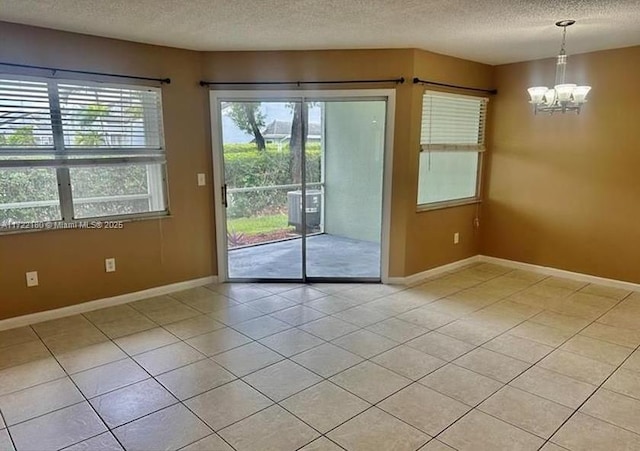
column 107, row 223
column 447, row 204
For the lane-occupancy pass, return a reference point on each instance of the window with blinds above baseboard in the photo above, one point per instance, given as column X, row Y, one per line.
column 73, row 150
column 452, row 141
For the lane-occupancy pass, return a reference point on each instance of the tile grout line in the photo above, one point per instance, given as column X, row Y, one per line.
column 109, row 339
column 182, row 402
column 472, row 408
column 372, row 405
column 11, row 440
column 110, row 429
column 535, row 363
column 598, row 387
column 153, row 377
column 375, row 405
column 359, row 328
column 85, row 400
column 531, row 365
column 179, row 401
column 278, row 403
column 240, row 378
column 394, row 316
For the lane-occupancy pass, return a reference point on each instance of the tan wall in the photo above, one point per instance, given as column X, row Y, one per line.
column 419, row 241
column 564, row 190
column 430, row 233
column 158, row 252
column 337, row 65
column 149, row 253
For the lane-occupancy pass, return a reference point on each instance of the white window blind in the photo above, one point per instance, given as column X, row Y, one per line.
column 452, row 122
column 107, row 120
column 76, row 124
column 25, row 118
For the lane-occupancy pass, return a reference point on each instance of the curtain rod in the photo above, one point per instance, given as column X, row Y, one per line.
column 299, row 83
column 416, row 80
column 57, row 69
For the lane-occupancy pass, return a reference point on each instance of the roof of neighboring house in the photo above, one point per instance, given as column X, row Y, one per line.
column 278, row 129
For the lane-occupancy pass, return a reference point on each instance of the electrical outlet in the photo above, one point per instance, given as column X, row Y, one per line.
column 110, row 265
column 456, row 238
column 32, row 279
column 202, row 179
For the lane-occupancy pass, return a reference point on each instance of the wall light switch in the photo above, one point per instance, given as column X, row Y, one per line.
column 456, row 238
column 110, row 265
column 202, row 179
column 32, row 279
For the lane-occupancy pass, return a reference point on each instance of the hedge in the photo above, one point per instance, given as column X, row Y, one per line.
column 245, row 166
column 33, row 184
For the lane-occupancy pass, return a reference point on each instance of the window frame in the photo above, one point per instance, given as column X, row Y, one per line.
column 477, row 197
column 63, row 175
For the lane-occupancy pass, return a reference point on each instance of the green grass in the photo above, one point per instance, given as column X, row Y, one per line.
column 259, row 224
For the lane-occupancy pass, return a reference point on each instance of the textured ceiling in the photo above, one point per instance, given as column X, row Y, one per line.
column 490, row 31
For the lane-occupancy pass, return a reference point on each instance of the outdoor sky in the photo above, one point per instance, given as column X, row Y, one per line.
column 273, row 111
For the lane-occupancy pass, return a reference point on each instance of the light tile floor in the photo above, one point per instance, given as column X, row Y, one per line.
column 484, row 358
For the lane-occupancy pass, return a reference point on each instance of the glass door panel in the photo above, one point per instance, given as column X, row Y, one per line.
column 344, row 152
column 263, row 211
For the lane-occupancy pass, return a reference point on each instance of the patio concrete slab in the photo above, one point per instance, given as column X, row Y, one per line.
column 327, row 256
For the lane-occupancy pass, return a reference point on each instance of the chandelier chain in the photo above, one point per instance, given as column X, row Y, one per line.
column 564, row 40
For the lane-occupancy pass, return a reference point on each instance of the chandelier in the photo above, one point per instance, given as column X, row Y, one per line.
column 563, row 96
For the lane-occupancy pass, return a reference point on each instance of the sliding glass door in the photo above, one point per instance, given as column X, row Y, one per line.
column 345, row 212
column 263, row 240
column 301, row 186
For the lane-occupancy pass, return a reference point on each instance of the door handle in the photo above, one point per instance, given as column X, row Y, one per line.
column 224, row 196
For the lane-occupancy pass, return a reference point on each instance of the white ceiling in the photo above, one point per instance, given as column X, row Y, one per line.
column 490, row 31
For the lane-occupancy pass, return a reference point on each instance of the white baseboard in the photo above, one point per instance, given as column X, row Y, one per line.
column 433, row 272
column 613, row 283
column 84, row 307
column 33, row 318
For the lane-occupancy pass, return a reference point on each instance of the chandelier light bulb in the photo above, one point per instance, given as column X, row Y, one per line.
column 565, row 91
column 580, row 93
column 550, row 97
column 537, row 93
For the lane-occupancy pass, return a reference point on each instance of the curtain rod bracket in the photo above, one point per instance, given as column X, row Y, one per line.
column 417, row 80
